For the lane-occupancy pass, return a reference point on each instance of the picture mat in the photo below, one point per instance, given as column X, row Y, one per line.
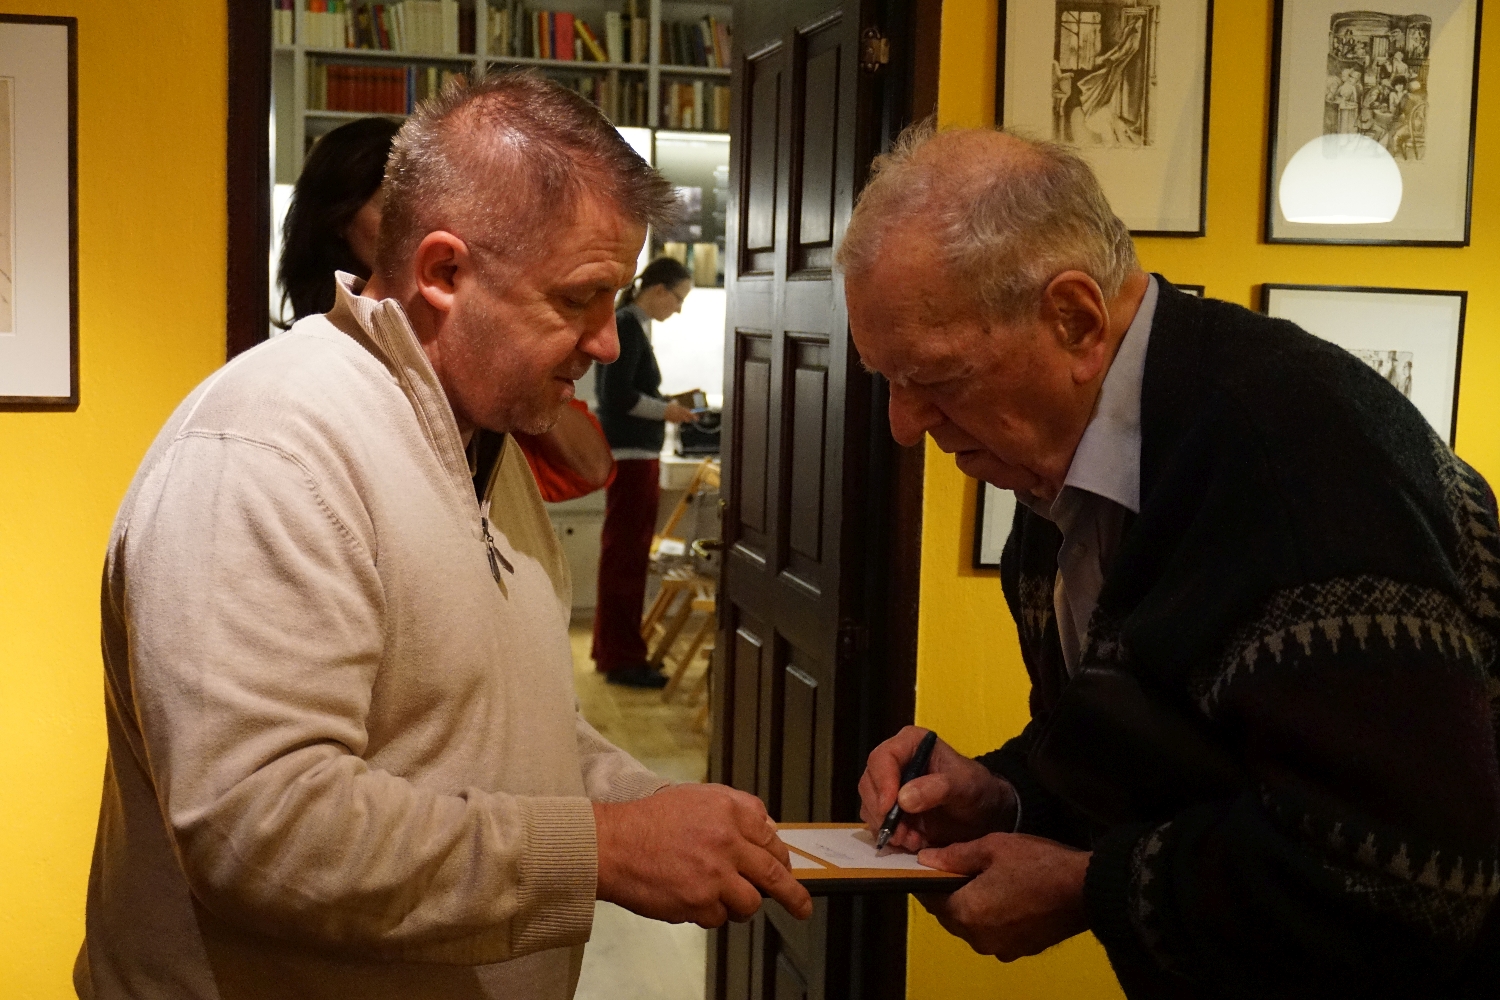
column 1157, row 188
column 1428, row 325
column 997, row 509
column 1435, row 189
column 7, row 207
column 36, row 358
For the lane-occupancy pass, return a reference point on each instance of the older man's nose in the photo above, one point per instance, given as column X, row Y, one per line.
column 911, row 417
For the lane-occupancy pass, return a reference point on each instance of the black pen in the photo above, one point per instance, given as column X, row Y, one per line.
column 914, row 769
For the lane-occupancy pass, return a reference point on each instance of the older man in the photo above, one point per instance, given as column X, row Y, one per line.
column 1256, row 597
column 344, row 753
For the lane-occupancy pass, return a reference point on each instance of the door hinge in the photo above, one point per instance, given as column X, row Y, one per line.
column 874, row 50
column 854, row 639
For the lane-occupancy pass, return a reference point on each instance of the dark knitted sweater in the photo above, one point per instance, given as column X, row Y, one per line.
column 1309, row 595
column 621, row 385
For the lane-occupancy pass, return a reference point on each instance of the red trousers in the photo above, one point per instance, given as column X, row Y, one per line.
column 624, row 553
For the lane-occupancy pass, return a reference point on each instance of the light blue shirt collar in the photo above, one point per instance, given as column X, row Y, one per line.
column 1107, row 462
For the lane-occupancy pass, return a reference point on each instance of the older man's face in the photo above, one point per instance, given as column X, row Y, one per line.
column 517, row 339
column 1000, row 398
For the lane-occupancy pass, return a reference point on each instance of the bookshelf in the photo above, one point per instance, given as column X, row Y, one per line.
column 457, row 36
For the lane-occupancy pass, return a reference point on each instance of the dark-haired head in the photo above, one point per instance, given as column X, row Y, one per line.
column 342, row 173
column 668, row 272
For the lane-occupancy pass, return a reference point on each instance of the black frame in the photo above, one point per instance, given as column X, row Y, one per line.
column 70, row 401
column 1268, row 287
column 1277, row 23
column 248, row 177
column 976, row 560
column 1208, row 65
column 1197, row 290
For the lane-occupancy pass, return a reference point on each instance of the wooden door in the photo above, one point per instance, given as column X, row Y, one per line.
column 814, row 492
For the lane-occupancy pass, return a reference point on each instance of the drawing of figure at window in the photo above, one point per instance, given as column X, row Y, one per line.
column 1377, row 80
column 1103, row 71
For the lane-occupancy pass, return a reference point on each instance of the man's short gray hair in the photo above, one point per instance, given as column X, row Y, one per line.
column 1008, row 220
column 502, row 161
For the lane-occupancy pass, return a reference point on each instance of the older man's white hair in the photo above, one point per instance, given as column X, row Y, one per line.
column 1007, row 212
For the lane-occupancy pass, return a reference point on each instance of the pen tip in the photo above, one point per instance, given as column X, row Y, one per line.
column 882, row 840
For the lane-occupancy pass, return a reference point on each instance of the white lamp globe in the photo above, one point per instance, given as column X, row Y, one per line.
column 1341, row 180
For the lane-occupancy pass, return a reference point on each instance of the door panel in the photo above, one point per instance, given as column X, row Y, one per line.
column 816, row 180
column 762, row 157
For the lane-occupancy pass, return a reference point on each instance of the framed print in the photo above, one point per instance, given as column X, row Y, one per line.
column 38, row 216
column 1125, row 83
column 1413, row 337
column 1403, row 73
column 993, row 512
column 1190, row 289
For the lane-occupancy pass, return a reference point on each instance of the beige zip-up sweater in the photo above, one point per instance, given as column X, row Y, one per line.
column 345, row 760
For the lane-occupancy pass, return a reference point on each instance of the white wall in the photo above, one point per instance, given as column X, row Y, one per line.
column 690, row 346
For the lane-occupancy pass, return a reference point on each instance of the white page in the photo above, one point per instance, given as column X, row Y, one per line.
column 847, row 847
column 798, row 861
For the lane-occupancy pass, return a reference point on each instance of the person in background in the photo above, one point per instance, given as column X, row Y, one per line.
column 634, row 415
column 333, row 225
column 333, row 222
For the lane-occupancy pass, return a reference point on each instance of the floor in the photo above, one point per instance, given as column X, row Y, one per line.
column 631, row 957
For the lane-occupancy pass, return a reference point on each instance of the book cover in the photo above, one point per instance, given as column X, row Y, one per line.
column 562, row 36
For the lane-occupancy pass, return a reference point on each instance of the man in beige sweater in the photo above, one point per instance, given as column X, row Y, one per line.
column 345, row 758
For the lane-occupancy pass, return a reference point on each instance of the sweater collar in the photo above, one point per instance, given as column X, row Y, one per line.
column 384, row 327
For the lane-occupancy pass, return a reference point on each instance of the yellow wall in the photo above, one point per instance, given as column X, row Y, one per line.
column 971, row 686
column 151, row 119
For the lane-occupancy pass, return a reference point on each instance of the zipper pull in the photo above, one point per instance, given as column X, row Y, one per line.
column 496, row 558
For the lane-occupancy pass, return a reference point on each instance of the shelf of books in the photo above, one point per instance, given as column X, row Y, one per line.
column 645, row 63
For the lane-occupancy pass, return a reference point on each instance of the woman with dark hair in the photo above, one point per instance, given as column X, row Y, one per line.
column 634, row 415
column 333, row 223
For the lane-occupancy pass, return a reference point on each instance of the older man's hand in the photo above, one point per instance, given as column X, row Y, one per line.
column 1027, row 894
column 694, row 853
column 957, row 800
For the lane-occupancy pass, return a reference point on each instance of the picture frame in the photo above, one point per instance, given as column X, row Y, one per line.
column 1408, row 80
column 38, row 212
column 994, row 510
column 1197, row 290
column 1143, row 127
column 1412, row 336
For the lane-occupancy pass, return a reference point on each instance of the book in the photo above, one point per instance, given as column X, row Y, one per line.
column 833, row 858
column 590, row 40
column 562, row 36
column 614, row 36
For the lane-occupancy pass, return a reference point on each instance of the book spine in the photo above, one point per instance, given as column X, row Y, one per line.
column 698, row 104
column 614, row 37
column 640, row 45
column 562, row 36
column 589, row 39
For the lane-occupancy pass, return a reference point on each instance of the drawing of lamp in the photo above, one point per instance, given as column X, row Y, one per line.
column 1341, row 179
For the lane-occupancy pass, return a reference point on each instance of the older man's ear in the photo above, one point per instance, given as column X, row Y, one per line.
column 1075, row 312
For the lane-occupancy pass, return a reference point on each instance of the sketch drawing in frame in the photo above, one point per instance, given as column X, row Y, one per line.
column 1412, row 337
column 1405, row 75
column 1125, row 83
column 994, row 510
column 38, row 212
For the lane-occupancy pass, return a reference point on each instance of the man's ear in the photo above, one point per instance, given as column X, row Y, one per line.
column 436, row 264
column 1073, row 308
